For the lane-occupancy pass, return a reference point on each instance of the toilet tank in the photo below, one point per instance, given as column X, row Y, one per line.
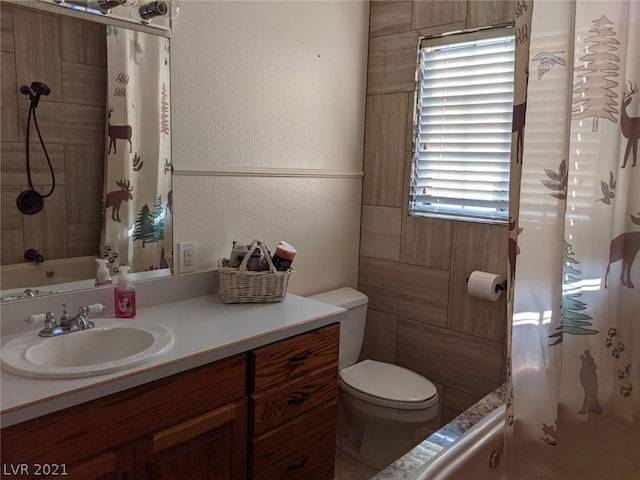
column 352, row 327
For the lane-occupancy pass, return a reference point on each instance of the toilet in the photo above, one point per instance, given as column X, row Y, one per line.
column 383, row 408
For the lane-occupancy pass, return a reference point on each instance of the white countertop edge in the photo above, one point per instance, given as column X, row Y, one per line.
column 24, row 398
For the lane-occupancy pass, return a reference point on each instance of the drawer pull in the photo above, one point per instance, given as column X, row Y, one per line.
column 302, row 398
column 291, row 468
column 300, row 358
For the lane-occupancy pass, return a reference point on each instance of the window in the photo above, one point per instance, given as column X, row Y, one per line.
column 462, row 141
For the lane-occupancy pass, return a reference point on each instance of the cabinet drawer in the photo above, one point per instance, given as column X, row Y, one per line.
column 82, row 431
column 302, row 449
column 295, row 357
column 274, row 407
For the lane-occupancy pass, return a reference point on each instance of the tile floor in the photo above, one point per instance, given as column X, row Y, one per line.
column 349, row 469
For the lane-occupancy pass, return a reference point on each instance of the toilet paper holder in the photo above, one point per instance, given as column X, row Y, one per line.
column 499, row 287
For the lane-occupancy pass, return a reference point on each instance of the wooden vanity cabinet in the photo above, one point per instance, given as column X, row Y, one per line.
column 173, row 428
column 194, row 425
column 293, row 407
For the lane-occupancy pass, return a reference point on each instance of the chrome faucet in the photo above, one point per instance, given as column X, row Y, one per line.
column 67, row 323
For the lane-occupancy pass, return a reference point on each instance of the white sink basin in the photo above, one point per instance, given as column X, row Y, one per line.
column 110, row 346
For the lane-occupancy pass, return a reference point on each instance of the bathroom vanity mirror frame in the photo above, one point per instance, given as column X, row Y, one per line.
column 118, row 16
column 50, row 265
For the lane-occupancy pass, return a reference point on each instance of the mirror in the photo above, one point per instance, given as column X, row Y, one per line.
column 104, row 119
column 124, row 12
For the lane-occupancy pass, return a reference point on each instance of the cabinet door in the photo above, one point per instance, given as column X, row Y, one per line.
column 108, row 466
column 211, row 446
column 105, row 424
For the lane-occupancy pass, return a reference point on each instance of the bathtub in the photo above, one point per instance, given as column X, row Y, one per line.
column 597, row 450
column 49, row 272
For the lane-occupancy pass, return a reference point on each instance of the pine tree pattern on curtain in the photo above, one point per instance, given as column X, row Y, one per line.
column 138, row 197
column 574, row 342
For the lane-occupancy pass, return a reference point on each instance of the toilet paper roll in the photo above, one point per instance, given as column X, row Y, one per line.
column 485, row 285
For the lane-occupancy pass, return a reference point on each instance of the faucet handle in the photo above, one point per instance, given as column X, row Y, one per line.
column 95, row 308
column 48, row 318
column 36, row 318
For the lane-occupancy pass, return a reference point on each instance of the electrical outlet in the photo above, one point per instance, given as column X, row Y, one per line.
column 186, row 257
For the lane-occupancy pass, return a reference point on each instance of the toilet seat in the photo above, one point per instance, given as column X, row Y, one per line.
column 388, row 385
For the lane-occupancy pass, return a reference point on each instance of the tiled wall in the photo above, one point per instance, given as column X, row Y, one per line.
column 413, row 269
column 69, row 55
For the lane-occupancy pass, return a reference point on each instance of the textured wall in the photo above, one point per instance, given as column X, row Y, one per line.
column 268, row 123
column 414, row 269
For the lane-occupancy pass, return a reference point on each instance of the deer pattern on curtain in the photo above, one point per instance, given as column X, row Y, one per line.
column 138, row 198
column 575, row 218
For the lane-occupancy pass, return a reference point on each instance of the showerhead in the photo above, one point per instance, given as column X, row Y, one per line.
column 37, row 89
column 40, row 88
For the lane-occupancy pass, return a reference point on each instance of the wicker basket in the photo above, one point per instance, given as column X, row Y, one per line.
column 239, row 285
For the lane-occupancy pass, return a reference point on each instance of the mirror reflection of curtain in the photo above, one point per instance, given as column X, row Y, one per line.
column 575, row 344
column 137, row 228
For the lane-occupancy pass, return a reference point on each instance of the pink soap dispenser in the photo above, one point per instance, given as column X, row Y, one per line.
column 125, row 295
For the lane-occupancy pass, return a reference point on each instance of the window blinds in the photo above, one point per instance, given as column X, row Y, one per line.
column 463, row 127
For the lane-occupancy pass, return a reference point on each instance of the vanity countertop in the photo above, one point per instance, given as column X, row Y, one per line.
column 408, row 464
column 205, row 330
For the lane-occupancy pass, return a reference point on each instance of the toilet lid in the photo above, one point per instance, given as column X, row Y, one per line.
column 388, row 382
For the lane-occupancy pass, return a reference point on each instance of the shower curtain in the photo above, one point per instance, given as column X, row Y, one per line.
column 137, row 191
column 575, row 218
